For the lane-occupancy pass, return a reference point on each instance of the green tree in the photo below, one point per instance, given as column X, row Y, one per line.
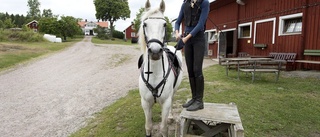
column 68, row 27
column 34, row 9
column 1, row 24
column 47, row 13
column 12, row 18
column 18, row 20
column 48, row 25
column 112, row 10
column 169, row 28
column 2, row 16
column 137, row 20
column 8, row 23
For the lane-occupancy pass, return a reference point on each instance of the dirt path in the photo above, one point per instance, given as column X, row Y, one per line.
column 54, row 96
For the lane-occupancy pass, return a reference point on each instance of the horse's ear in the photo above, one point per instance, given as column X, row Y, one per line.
column 147, row 6
column 162, row 6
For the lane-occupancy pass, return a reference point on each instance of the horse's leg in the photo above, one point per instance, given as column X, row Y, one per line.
column 170, row 116
column 166, row 106
column 147, row 108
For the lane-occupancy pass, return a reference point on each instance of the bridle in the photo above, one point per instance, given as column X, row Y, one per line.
column 154, row 40
column 154, row 90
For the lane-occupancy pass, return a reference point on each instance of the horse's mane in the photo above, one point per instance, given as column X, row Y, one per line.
column 144, row 16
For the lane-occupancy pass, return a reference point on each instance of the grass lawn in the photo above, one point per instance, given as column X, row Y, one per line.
column 12, row 53
column 287, row 108
column 114, row 41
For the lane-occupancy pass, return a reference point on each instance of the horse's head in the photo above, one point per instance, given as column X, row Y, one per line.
column 153, row 30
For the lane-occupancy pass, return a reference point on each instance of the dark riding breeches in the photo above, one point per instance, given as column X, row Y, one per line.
column 194, row 54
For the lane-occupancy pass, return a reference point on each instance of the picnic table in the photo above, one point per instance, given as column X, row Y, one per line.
column 254, row 62
column 244, row 61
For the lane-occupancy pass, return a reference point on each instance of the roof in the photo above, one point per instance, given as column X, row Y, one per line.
column 31, row 22
column 128, row 27
column 81, row 24
column 103, row 24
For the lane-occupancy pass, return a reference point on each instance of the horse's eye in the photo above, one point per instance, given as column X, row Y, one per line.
column 165, row 25
column 144, row 24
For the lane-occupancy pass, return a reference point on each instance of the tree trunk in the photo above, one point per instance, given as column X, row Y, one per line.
column 111, row 29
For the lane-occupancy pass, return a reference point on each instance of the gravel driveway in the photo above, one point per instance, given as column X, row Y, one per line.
column 55, row 95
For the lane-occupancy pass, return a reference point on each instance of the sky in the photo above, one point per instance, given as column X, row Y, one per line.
column 85, row 9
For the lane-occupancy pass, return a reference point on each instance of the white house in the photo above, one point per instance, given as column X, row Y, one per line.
column 88, row 27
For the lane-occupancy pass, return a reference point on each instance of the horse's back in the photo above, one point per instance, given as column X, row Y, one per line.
column 178, row 53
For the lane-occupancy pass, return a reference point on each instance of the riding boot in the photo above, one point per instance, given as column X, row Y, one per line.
column 193, row 90
column 198, row 103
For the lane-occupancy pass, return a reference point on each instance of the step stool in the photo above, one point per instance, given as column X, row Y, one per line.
column 212, row 120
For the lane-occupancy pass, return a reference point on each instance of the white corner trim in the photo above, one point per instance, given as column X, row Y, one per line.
column 225, row 30
column 262, row 21
column 211, row 30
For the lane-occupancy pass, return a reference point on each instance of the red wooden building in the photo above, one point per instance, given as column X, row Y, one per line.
column 130, row 34
column 259, row 27
column 33, row 25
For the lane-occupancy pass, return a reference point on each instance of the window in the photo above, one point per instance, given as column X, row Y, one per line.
column 212, row 35
column 132, row 27
column 133, row 34
column 290, row 24
column 244, row 30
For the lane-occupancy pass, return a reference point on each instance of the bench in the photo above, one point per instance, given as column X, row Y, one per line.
column 264, row 67
column 224, row 62
column 311, row 52
column 288, row 58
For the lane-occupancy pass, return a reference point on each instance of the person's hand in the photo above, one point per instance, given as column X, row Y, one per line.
column 180, row 44
column 178, row 36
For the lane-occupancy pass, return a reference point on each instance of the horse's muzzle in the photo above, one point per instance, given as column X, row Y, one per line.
column 155, row 54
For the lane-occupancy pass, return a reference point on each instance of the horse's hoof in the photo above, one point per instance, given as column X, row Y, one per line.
column 148, row 136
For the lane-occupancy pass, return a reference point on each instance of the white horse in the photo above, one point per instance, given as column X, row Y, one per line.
column 160, row 67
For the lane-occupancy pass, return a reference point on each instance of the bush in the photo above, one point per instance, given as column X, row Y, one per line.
column 102, row 33
column 20, row 36
column 117, row 34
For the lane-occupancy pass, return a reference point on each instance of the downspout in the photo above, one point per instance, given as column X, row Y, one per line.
column 304, row 31
column 237, row 30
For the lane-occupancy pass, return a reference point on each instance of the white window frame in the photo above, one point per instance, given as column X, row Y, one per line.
column 212, row 39
column 133, row 34
column 262, row 21
column 244, row 25
column 282, row 23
